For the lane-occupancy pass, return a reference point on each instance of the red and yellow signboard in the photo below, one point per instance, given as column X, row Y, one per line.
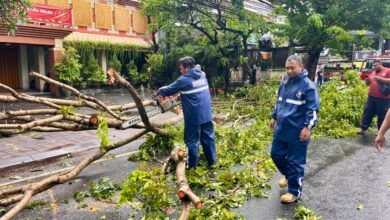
column 50, row 15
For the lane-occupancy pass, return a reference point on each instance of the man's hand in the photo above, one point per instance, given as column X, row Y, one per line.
column 367, row 81
column 379, row 141
column 305, row 134
column 272, row 123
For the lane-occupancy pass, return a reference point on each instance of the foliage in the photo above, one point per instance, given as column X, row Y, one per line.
column 86, row 48
column 136, row 78
column 67, row 70
column 102, row 132
column 104, row 189
column 67, row 110
column 218, row 81
column 157, row 144
column 244, row 165
column 93, row 72
column 79, row 196
column 244, row 170
column 13, row 13
column 318, row 24
column 37, row 204
column 341, row 110
column 150, row 185
column 115, row 63
column 220, row 28
column 303, row 213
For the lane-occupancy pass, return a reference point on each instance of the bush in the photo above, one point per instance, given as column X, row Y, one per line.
column 135, row 77
column 67, row 70
column 93, row 72
column 115, row 63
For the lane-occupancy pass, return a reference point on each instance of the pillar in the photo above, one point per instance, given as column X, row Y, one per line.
column 41, row 67
column 55, row 54
column 23, row 63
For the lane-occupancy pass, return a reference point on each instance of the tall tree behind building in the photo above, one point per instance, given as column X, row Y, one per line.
column 12, row 13
column 325, row 23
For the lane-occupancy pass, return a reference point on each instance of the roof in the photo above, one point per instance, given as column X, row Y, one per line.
column 258, row 7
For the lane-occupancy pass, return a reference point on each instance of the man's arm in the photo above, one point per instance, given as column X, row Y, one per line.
column 312, row 106
column 173, row 88
column 380, row 138
column 381, row 79
column 274, row 111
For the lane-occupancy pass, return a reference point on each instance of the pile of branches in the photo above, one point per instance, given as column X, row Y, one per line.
column 61, row 114
column 20, row 196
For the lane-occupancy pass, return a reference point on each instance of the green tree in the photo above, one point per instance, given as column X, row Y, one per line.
column 226, row 25
column 317, row 24
column 67, row 69
column 92, row 71
column 13, row 13
column 115, row 63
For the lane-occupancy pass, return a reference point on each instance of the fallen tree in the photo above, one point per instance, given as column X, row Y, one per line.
column 65, row 111
column 23, row 194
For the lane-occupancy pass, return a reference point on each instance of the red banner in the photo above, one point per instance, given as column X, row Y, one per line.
column 50, row 15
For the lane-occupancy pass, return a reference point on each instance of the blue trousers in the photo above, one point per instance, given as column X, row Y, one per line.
column 374, row 106
column 200, row 134
column 290, row 159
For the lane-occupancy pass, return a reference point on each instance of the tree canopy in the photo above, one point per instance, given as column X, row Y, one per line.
column 13, row 13
column 325, row 23
column 225, row 25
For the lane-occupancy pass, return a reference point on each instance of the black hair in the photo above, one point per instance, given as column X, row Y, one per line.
column 187, row 62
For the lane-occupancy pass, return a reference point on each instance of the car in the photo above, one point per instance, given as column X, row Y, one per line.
column 367, row 66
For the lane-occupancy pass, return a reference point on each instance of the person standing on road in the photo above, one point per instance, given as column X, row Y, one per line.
column 293, row 118
column 195, row 97
column 377, row 102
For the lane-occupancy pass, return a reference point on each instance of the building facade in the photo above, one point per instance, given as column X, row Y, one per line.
column 38, row 44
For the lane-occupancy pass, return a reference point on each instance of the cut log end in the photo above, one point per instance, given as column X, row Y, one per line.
column 181, row 194
column 181, row 154
column 198, row 205
column 93, row 120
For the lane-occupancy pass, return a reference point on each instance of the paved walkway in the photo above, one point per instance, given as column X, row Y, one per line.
column 34, row 146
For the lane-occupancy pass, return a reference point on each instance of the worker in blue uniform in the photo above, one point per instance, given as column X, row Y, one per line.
column 293, row 118
column 195, row 97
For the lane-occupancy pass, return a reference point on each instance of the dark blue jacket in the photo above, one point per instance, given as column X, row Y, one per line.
column 195, row 96
column 297, row 107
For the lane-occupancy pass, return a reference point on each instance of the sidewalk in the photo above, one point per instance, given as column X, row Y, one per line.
column 33, row 146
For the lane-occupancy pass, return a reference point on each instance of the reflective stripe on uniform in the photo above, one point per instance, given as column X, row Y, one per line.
column 195, row 90
column 295, row 102
column 313, row 119
column 280, row 99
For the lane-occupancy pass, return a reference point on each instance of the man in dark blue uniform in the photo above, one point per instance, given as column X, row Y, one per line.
column 195, row 97
column 294, row 116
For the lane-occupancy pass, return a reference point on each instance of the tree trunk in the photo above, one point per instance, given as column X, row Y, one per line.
column 227, row 78
column 153, row 33
column 246, row 72
column 312, row 62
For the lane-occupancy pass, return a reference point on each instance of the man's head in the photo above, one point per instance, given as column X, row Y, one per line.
column 294, row 65
column 186, row 64
column 378, row 65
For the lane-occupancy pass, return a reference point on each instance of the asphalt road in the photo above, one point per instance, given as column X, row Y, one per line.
column 342, row 175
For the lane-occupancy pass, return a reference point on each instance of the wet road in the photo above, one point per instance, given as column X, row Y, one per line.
column 341, row 175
